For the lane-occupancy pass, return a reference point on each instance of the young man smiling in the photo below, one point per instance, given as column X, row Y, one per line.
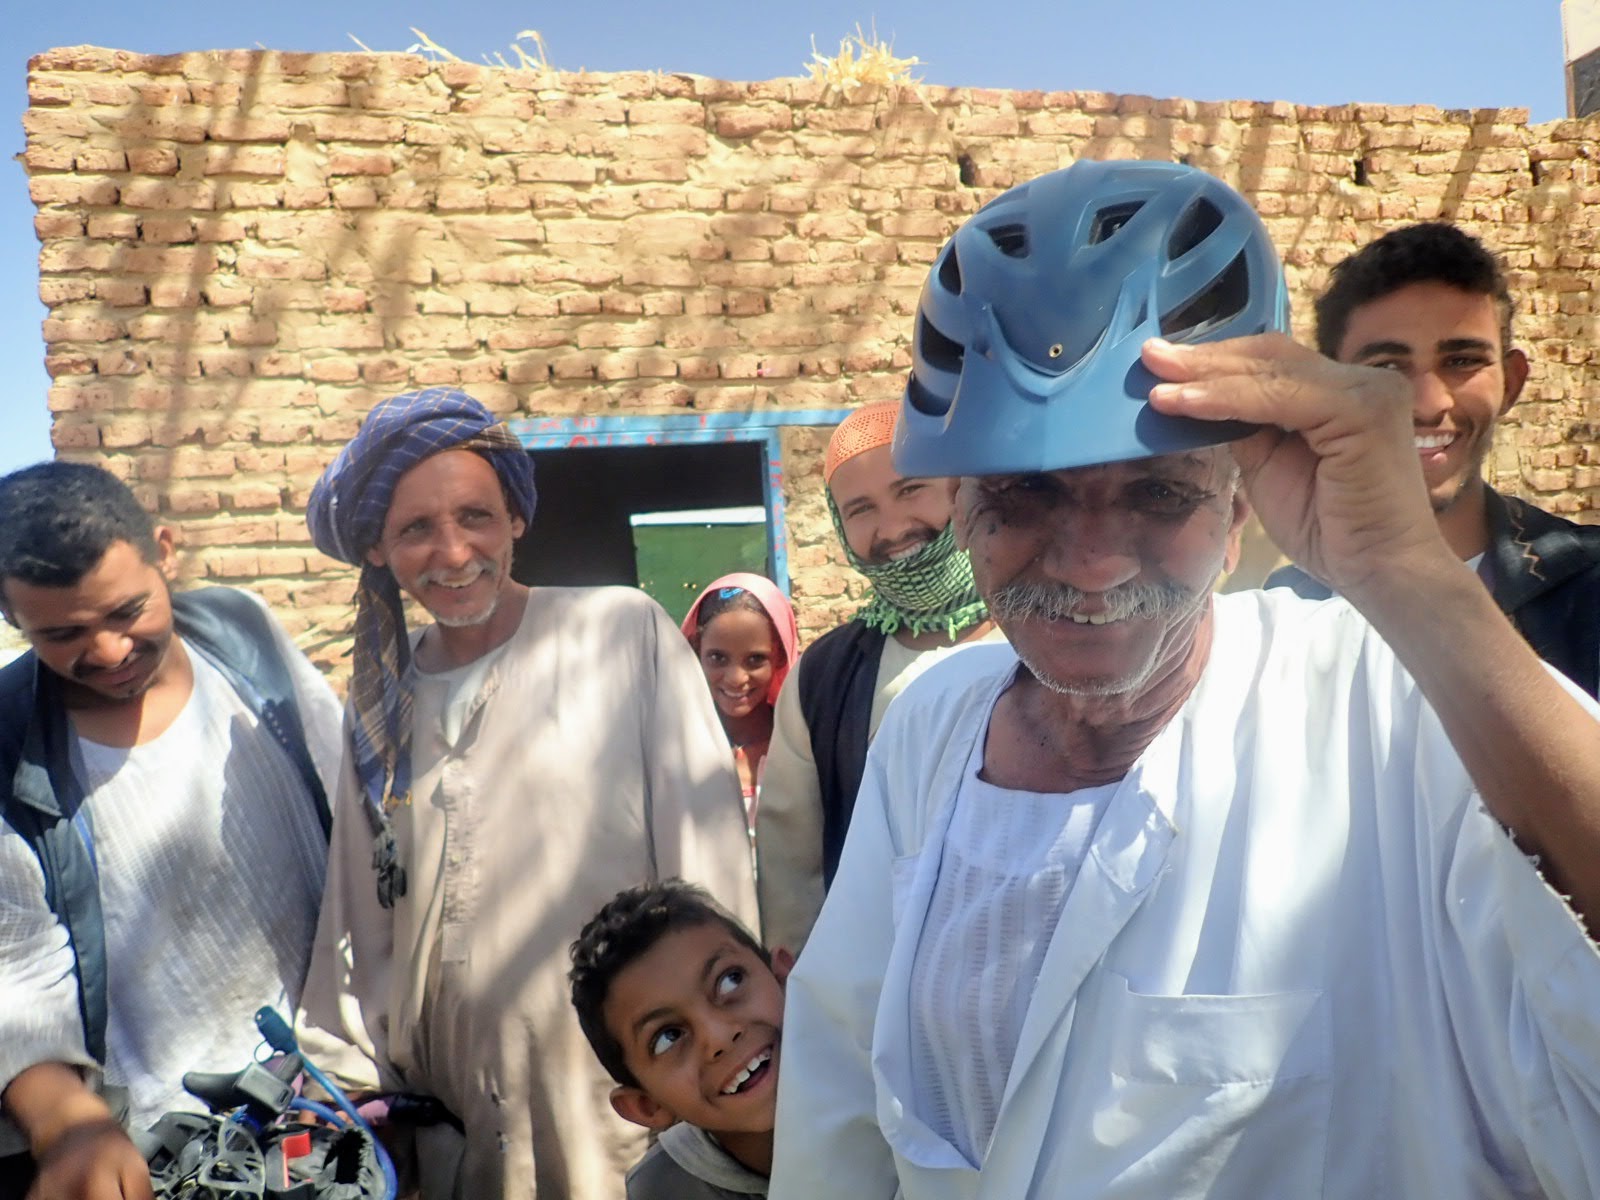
column 1431, row 302
column 164, row 825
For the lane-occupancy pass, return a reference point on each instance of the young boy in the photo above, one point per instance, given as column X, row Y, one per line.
column 685, row 1009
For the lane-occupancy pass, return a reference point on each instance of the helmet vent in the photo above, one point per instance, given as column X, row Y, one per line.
column 1010, row 240
column 924, row 401
column 1199, row 221
column 1222, row 300
column 950, row 271
column 1108, row 220
column 938, row 351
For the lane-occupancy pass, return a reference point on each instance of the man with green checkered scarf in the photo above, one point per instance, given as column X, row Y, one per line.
column 922, row 604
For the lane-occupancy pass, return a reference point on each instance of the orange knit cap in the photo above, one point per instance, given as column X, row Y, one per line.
column 870, row 426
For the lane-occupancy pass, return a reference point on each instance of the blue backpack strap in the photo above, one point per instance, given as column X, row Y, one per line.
column 41, row 799
column 235, row 634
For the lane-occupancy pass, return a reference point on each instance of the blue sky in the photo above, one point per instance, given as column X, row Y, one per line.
column 1478, row 53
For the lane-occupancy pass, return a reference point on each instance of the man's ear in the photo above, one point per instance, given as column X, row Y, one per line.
column 1515, row 370
column 633, row 1104
column 782, row 963
column 376, row 557
column 1236, row 522
column 957, row 495
column 166, row 553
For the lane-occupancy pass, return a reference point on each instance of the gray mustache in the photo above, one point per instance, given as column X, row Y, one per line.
column 1056, row 601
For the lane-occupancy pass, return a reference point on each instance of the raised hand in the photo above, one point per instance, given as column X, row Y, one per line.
column 1332, row 472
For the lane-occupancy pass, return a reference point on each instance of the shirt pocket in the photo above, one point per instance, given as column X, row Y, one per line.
column 1215, row 1095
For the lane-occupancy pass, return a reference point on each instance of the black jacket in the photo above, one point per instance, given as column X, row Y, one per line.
column 1544, row 573
column 837, row 677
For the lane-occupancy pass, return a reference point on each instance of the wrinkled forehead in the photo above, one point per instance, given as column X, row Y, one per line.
column 454, row 470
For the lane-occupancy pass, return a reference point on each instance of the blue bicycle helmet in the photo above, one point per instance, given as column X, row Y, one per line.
column 1026, row 350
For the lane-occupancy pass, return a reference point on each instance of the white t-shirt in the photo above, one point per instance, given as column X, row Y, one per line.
column 1006, row 864
column 210, row 860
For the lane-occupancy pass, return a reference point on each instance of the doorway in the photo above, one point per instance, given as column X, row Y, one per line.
column 606, row 511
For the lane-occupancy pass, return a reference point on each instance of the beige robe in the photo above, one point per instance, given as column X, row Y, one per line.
column 591, row 761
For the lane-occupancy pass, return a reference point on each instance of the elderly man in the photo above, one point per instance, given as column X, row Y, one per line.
column 1189, row 895
column 511, row 766
column 1431, row 302
column 896, row 531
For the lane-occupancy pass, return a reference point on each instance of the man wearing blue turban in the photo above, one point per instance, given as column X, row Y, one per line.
column 509, row 768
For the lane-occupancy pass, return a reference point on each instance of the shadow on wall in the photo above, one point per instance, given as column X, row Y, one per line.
column 243, row 251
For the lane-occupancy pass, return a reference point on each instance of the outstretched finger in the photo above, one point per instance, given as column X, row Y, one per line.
column 1177, row 362
column 1309, row 394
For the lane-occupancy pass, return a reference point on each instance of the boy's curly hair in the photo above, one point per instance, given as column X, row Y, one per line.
column 631, row 922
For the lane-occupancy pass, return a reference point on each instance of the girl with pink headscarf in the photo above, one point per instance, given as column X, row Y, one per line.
column 743, row 630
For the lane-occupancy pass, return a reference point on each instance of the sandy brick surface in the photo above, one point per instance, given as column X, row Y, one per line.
column 242, row 251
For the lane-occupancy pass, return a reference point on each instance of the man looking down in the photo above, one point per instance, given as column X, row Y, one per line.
column 163, row 826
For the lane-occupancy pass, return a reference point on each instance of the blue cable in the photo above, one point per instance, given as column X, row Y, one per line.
column 281, row 1038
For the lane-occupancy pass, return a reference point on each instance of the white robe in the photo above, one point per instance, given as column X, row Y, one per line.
column 1301, row 960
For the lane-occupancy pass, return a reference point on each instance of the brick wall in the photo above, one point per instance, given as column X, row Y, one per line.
column 242, row 252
